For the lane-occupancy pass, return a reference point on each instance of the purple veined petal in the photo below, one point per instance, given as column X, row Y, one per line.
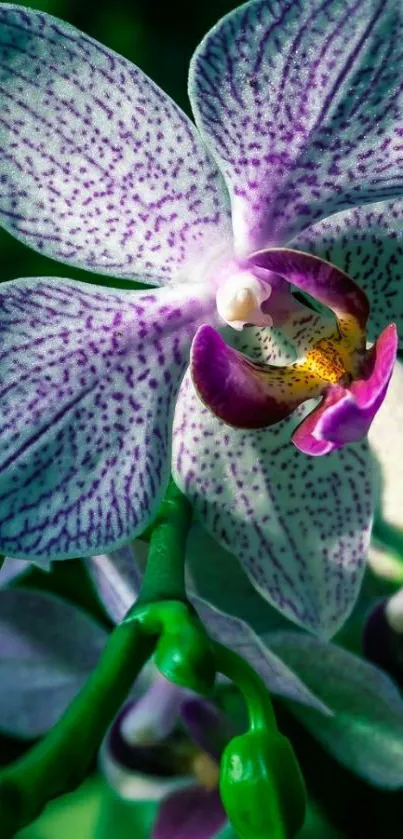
column 386, row 441
column 12, row 570
column 236, row 634
column 366, row 243
column 88, row 382
column 300, row 103
column 299, row 526
column 48, row 649
column 345, row 414
column 99, row 167
column 243, row 393
column 192, row 813
column 365, row 732
column 116, row 578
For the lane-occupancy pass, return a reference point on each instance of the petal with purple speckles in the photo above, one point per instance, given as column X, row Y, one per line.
column 193, row 813
column 301, row 105
column 366, row 242
column 88, row 383
column 346, row 414
column 48, row 649
column 300, row 526
column 243, row 393
column 99, row 167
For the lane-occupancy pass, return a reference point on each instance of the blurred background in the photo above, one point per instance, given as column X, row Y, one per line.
column 160, row 37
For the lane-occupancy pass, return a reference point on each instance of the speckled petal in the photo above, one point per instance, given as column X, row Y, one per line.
column 366, row 242
column 99, row 168
column 345, row 414
column 242, row 393
column 300, row 526
column 300, row 102
column 88, row 381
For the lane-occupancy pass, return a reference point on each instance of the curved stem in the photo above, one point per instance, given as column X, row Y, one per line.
column 59, row 762
column 253, row 689
column 164, row 577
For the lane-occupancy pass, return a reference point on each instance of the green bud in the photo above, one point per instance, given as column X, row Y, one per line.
column 184, row 653
column 261, row 786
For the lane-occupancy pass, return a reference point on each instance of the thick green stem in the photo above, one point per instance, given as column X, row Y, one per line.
column 164, row 577
column 253, row 689
column 59, row 762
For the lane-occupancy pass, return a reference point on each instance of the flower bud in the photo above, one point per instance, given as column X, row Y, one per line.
column 261, row 786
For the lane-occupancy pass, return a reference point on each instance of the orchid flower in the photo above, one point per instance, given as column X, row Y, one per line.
column 290, row 178
column 352, row 707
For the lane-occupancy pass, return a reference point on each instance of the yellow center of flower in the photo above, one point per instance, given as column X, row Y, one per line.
column 325, row 361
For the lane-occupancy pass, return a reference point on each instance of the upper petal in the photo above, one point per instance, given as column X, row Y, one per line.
column 300, row 526
column 88, row 382
column 99, row 168
column 48, row 649
column 300, row 103
column 366, row 242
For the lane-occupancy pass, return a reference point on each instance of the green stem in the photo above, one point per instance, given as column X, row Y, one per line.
column 164, row 578
column 59, row 762
column 253, row 689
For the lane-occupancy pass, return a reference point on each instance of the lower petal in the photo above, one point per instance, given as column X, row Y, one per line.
column 88, row 382
column 299, row 526
column 243, row 393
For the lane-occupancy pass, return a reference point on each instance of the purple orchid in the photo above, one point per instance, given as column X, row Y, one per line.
column 291, row 178
column 147, row 756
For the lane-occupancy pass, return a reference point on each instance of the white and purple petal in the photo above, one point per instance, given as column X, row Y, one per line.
column 88, row 382
column 366, row 242
column 99, row 167
column 300, row 526
column 300, row 102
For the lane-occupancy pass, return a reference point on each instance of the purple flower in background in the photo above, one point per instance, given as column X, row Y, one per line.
column 294, row 164
column 148, row 755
